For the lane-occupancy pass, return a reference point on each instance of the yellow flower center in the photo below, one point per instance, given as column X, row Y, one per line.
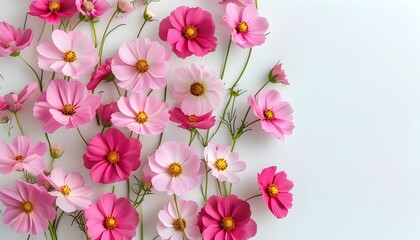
column 88, row 6
column 178, row 226
column 65, row 190
column 273, row 190
column 220, row 164
column 54, row 6
column 227, row 224
column 19, row 158
column 192, row 118
column 142, row 66
column 175, row 169
column 27, row 207
column 190, row 32
column 197, row 89
column 110, row 223
column 70, row 56
column 113, row 157
column 242, row 27
column 268, row 114
column 68, row 110
column 141, row 117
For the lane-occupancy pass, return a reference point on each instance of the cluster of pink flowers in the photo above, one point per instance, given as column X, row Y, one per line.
column 72, row 97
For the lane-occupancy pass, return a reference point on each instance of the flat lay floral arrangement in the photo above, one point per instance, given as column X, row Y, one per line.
column 130, row 98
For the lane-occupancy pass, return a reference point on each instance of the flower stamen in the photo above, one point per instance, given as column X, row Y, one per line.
column 70, row 56
column 113, row 157
column 177, row 225
column 268, row 114
column 65, row 190
column 141, row 117
column 273, row 190
column 88, row 6
column 220, row 164
column 197, row 89
column 110, row 223
column 142, row 66
column 27, row 207
column 68, row 110
column 192, row 118
column 54, row 6
column 190, row 32
column 242, row 27
column 227, row 223
column 19, row 158
column 175, row 169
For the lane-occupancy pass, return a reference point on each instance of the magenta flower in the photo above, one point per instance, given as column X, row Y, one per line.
column 13, row 40
column 226, row 218
column 176, row 168
column 141, row 64
column 275, row 189
column 71, row 53
column 224, row 164
column 102, row 73
column 275, row 114
column 111, row 218
column 28, row 209
column 238, row 2
column 197, row 89
column 169, row 226
column 112, row 157
column 13, row 102
column 20, row 155
column 52, row 10
column 205, row 121
column 65, row 104
column 141, row 114
column 70, row 190
column 248, row 29
column 92, row 8
column 105, row 111
column 189, row 31
column 277, row 75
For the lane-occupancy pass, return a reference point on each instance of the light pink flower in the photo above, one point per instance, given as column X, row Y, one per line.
column 238, row 2
column 141, row 114
column 52, row 10
column 65, row 104
column 111, row 219
column 20, row 155
column 141, row 64
column 189, row 31
column 112, row 157
column 28, row 209
column 102, row 73
column 248, row 28
column 277, row 75
column 168, row 225
column 71, row 53
column 275, row 114
column 105, row 111
column 197, row 89
column 205, row 121
column 124, row 7
column 92, row 8
column 13, row 40
column 13, row 102
column 224, row 163
column 275, row 189
column 176, row 168
column 70, row 190
column 226, row 218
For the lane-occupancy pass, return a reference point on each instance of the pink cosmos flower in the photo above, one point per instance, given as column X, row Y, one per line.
column 112, row 157
column 13, row 102
column 65, row 104
column 197, row 89
column 226, row 218
column 189, row 31
column 20, row 155
column 105, row 111
column 111, row 218
column 52, row 10
column 13, row 40
column 275, row 189
column 141, row 64
column 177, row 169
column 28, row 209
column 238, row 2
column 124, row 7
column 71, row 53
column 141, row 114
column 169, row 226
column 70, row 190
column 103, row 72
column 205, row 121
column 277, row 75
column 224, row 163
column 248, row 29
column 92, row 8
column 275, row 114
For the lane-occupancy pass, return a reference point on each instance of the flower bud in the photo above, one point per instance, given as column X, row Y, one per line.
column 56, row 152
column 149, row 16
column 277, row 75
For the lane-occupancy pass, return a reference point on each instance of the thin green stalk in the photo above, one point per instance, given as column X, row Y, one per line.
column 116, row 87
column 92, row 25
column 103, row 129
column 29, row 236
column 18, row 123
column 52, row 231
column 225, row 189
column 141, row 28
column 192, row 136
column 164, row 100
column 24, row 27
column 80, row 134
column 76, row 25
column 226, row 59
column 181, row 223
column 128, row 188
column 141, row 222
column 58, row 220
column 49, row 143
column 207, row 184
column 33, row 70
column 113, row 189
column 42, row 31
column 220, row 188
column 101, row 47
column 246, row 200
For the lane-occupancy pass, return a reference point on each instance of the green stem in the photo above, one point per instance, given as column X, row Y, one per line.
column 207, row 184
column 141, row 222
column 225, row 189
column 141, row 28
column 92, row 25
column 24, row 27
column 80, row 134
column 128, row 188
column 18, row 123
column 220, row 188
column 181, row 223
column 42, row 31
column 113, row 189
column 29, row 236
column 103, row 129
column 226, row 59
column 101, row 47
column 33, row 70
column 76, row 25
column 52, row 231
column 49, row 143
column 116, row 87
column 246, row 200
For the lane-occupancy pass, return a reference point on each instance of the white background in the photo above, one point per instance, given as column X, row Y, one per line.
column 354, row 68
